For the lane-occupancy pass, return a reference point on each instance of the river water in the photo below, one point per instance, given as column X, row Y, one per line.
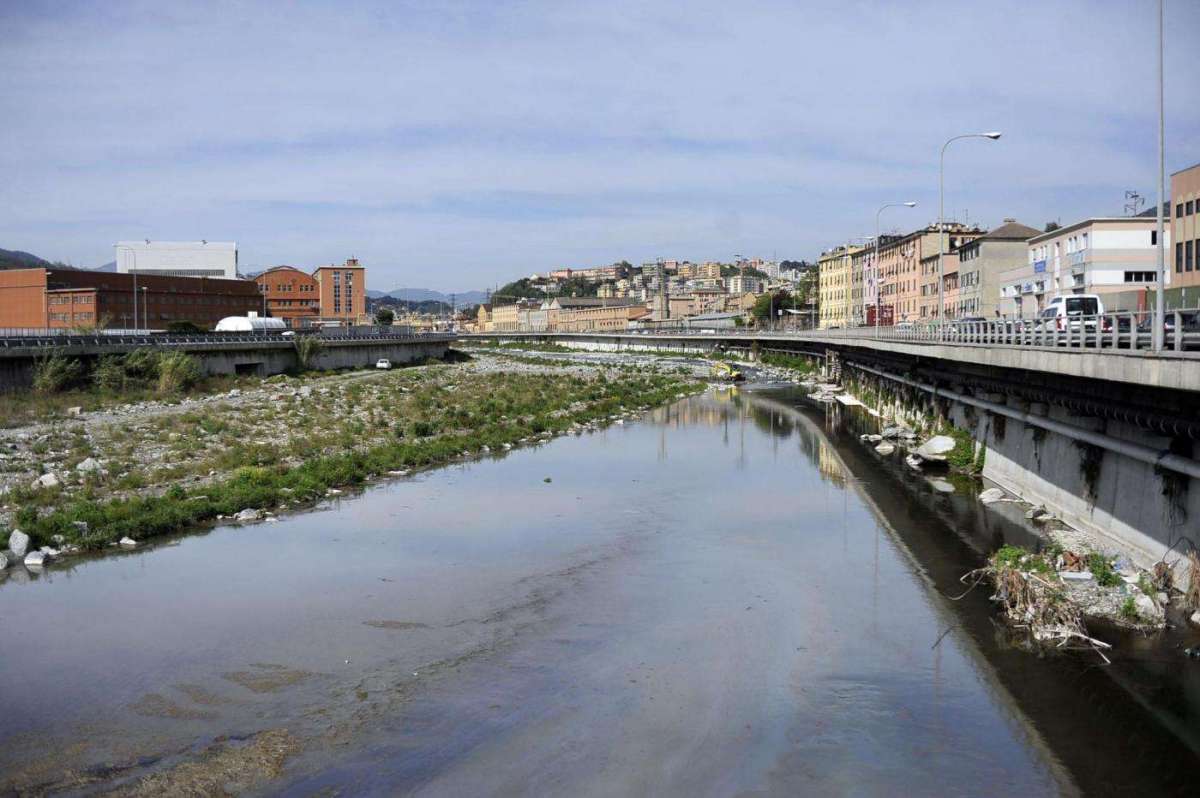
column 729, row 596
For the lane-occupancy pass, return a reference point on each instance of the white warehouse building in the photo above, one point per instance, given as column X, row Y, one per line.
column 178, row 258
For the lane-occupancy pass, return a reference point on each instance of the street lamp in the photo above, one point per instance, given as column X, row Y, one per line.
column 135, row 286
column 1159, row 296
column 993, row 135
column 875, row 260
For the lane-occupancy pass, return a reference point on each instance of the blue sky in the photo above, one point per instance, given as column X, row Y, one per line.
column 457, row 145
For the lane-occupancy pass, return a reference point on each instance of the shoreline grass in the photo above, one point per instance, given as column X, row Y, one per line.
column 530, row 405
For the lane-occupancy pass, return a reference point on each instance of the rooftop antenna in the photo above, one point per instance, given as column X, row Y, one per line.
column 1133, row 203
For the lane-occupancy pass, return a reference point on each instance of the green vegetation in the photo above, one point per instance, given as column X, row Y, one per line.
column 56, row 373
column 805, row 365
column 1129, row 609
column 177, row 372
column 1102, row 569
column 530, row 346
column 963, row 456
column 307, row 348
column 428, row 422
column 1023, row 560
column 385, row 316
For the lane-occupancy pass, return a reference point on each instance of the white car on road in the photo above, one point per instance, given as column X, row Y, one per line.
column 383, row 363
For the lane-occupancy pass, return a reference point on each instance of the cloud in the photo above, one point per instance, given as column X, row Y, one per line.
column 461, row 144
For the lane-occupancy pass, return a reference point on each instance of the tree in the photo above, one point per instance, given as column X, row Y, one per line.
column 1052, row 226
column 517, row 289
column 384, row 317
column 765, row 304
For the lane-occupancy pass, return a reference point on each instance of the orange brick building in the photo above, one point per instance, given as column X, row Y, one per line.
column 329, row 294
column 67, row 298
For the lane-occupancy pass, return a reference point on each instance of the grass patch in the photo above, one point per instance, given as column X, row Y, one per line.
column 444, row 420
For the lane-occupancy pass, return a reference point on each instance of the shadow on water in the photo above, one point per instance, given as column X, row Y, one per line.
column 1121, row 729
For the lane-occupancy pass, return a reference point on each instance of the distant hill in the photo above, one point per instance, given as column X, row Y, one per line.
column 15, row 259
column 465, row 299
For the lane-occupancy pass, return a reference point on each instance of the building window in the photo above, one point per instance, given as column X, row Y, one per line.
column 1154, row 238
column 1178, row 256
column 1139, row 277
column 1187, row 256
column 1179, row 210
column 1188, row 209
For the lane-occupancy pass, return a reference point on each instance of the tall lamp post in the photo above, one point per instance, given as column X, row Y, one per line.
column 993, row 135
column 875, row 259
column 132, row 252
column 1159, row 295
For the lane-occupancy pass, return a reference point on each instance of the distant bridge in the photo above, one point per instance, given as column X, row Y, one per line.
column 222, row 353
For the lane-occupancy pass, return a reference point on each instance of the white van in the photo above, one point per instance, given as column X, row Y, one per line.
column 1067, row 312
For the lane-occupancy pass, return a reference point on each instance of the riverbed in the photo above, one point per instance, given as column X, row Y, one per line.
column 727, row 596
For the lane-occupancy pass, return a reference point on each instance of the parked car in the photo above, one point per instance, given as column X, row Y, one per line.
column 904, row 325
column 383, row 363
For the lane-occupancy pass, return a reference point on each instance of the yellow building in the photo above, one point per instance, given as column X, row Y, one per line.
column 483, row 319
column 834, row 286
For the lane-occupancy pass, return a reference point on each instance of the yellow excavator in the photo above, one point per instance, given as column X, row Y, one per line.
column 726, row 373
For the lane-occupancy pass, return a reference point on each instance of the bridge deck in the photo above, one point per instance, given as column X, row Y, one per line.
column 1171, row 369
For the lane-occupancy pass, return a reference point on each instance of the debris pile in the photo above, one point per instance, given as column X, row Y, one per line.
column 1052, row 594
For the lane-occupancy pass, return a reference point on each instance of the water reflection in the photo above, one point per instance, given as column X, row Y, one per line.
column 694, row 605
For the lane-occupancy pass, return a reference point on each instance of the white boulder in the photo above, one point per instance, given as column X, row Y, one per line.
column 18, row 543
column 1146, row 608
column 249, row 514
column 89, row 466
column 991, row 495
column 885, row 448
column 35, row 559
column 47, row 480
column 935, row 448
column 3, row 561
column 127, row 542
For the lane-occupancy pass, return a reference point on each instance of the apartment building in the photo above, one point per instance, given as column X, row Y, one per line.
column 833, row 286
column 69, row 298
column 744, row 284
column 981, row 261
column 899, row 267
column 928, row 298
column 1095, row 256
column 1185, row 228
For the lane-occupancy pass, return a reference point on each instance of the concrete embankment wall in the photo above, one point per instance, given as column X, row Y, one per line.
column 1134, row 505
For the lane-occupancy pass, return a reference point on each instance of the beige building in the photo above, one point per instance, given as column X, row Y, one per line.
column 834, row 286
column 586, row 314
column 1185, row 229
column 483, row 318
column 981, row 261
column 1116, row 255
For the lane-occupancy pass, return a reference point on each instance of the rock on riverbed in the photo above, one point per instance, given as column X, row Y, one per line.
column 18, row 543
column 935, row 448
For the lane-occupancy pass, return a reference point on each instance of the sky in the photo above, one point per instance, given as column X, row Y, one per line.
column 459, row 145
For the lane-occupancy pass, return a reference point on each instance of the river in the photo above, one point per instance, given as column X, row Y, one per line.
column 729, row 596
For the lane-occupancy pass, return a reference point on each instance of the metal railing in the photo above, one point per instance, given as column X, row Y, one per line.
column 23, row 339
column 1119, row 330
column 1130, row 330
